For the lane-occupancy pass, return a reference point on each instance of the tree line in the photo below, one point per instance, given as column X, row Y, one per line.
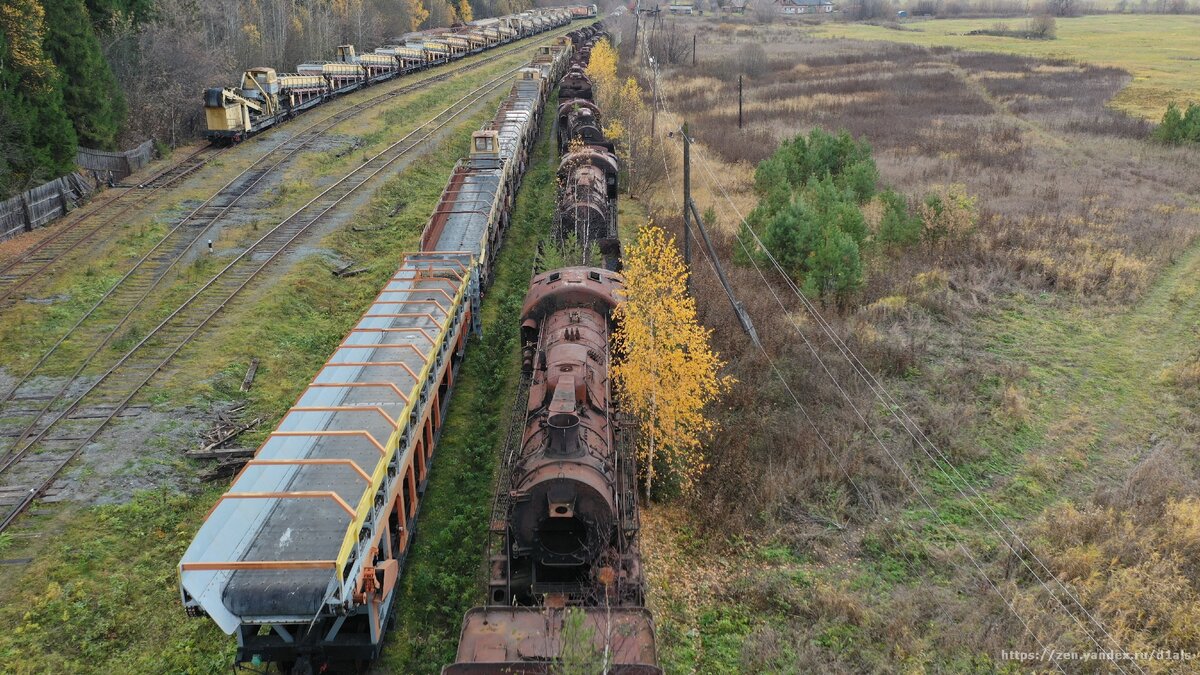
column 109, row 74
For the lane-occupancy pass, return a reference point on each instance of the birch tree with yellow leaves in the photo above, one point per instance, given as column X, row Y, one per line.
column 667, row 373
column 626, row 115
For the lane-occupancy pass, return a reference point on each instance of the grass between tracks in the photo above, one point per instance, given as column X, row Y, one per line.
column 30, row 328
column 103, row 597
column 443, row 578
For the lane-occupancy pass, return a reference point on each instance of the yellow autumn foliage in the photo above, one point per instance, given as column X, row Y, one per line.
column 602, row 71
column 1135, row 572
column 416, row 13
column 24, row 26
column 668, row 373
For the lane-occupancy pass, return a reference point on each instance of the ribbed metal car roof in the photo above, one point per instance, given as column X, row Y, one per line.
column 275, row 544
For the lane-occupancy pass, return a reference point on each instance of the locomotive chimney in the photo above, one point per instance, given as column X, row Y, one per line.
column 563, row 421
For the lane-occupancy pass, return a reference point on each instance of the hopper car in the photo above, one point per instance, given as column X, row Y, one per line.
column 266, row 97
column 300, row 557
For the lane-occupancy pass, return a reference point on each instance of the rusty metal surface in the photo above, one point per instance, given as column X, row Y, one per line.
column 527, row 640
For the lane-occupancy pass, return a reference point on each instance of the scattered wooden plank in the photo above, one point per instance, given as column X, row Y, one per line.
column 229, row 434
column 225, row 469
column 342, row 274
column 250, row 373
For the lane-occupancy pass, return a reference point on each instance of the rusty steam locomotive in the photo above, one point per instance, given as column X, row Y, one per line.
column 565, row 521
column 588, row 171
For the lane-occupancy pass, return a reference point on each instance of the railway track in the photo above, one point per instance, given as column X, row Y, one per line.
column 70, row 420
column 70, row 237
column 67, row 237
column 131, row 292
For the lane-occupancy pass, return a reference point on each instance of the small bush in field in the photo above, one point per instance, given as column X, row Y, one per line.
column 846, row 161
column 834, row 267
column 791, row 235
column 809, row 214
column 898, row 227
column 1042, row 27
column 1179, row 127
column 947, row 213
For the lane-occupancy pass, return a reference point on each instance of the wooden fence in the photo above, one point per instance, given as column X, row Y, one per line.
column 42, row 204
column 113, row 166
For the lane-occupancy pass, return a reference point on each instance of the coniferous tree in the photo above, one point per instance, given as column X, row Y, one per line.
column 92, row 97
column 36, row 134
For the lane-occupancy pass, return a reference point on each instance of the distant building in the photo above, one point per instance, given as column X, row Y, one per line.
column 736, row 7
column 804, row 6
column 680, row 7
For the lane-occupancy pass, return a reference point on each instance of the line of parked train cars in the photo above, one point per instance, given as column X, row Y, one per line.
column 300, row 558
column 265, row 97
column 565, row 525
column 587, row 173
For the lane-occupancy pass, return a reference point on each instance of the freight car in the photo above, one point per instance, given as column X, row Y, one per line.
column 300, row 558
column 571, row 518
column 265, row 98
column 565, row 520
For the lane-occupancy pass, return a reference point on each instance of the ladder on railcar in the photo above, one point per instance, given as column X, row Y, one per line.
column 498, row 558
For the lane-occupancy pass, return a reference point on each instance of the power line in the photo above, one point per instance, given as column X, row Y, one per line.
column 923, row 441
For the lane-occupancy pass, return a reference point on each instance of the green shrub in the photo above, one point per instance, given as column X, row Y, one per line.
column 809, row 215
column 898, row 227
column 834, row 269
column 792, row 235
column 1179, row 127
column 860, row 179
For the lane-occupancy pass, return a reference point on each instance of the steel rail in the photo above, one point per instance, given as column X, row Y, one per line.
column 13, row 279
column 6, row 292
column 383, row 159
column 177, row 248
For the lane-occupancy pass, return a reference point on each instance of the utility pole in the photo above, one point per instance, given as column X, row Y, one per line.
column 687, row 216
column 739, row 101
column 654, row 93
column 637, row 19
column 693, row 50
column 689, row 209
column 740, row 310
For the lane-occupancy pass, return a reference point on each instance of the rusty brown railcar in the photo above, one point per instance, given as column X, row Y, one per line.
column 587, row 205
column 580, row 119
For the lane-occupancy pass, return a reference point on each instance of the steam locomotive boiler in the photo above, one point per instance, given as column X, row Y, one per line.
column 571, row 520
column 587, row 201
column 575, row 84
column 579, row 119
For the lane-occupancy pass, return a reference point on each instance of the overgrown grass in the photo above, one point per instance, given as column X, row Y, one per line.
column 1159, row 50
column 1049, row 364
column 104, row 597
column 443, row 576
column 293, row 326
